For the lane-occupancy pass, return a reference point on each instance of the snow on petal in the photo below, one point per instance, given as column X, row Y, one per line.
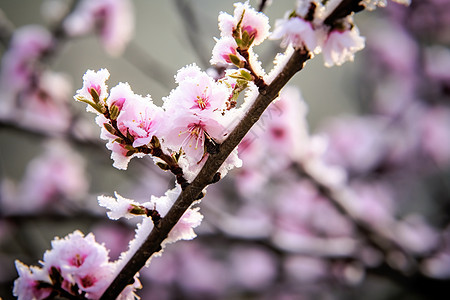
column 119, row 206
column 224, row 48
column 340, row 46
column 26, row 286
column 296, row 32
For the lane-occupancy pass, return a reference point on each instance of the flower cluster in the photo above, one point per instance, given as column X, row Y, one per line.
column 308, row 27
column 135, row 127
column 76, row 265
column 239, row 33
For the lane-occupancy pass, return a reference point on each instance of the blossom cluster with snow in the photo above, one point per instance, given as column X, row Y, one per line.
column 76, row 265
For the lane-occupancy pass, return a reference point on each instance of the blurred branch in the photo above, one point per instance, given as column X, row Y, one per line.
column 430, row 288
column 148, row 65
column 262, row 5
column 408, row 274
column 6, row 29
column 192, row 29
column 345, row 8
column 69, row 135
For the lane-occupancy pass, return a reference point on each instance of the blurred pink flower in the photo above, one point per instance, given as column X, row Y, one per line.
column 114, row 19
column 55, row 176
column 93, row 82
column 435, row 134
column 355, row 143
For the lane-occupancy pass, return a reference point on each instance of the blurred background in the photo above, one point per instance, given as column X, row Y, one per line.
column 268, row 232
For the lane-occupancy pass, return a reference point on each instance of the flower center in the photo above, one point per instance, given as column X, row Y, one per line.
column 88, row 281
column 195, row 135
column 202, row 102
column 77, row 260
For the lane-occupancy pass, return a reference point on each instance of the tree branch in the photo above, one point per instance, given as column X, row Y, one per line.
column 159, row 233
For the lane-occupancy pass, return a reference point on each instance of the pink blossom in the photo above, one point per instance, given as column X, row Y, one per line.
column 340, row 46
column 256, row 24
column 82, row 263
column 93, row 83
column 195, row 107
column 222, row 50
column 140, row 118
column 301, row 210
column 189, row 132
column 197, row 93
column 295, row 31
column 113, row 18
column 76, row 255
column 119, row 154
column 27, row 285
column 184, row 229
column 189, row 71
column 119, row 206
column 119, row 95
column 39, row 106
column 95, row 281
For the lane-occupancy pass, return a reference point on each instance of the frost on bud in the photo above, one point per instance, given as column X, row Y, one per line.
column 119, row 207
column 94, row 90
column 109, row 128
column 247, row 26
column 163, row 166
column 114, row 112
column 136, row 121
column 225, row 52
column 155, row 142
column 295, row 31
